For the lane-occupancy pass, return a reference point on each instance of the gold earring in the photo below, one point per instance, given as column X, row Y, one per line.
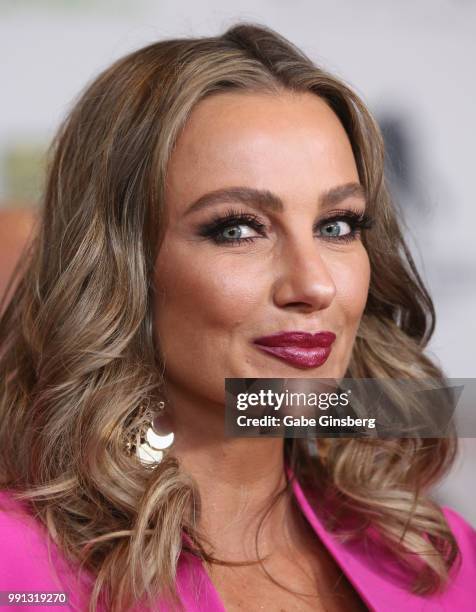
column 154, row 443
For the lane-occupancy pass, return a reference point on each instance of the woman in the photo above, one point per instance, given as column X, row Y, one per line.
column 203, row 196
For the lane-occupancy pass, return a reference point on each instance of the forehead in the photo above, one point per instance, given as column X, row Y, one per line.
column 287, row 142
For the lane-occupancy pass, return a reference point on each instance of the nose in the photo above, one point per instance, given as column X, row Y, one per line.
column 303, row 279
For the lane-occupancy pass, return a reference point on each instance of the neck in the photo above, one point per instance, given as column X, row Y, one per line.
column 237, row 478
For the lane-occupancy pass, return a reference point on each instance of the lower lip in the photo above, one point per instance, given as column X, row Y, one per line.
column 297, row 356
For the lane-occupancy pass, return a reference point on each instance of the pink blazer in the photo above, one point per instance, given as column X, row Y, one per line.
column 24, row 566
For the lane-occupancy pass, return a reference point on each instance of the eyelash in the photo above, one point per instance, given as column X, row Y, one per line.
column 356, row 220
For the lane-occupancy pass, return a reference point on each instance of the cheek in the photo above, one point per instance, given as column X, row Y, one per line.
column 206, row 296
column 352, row 279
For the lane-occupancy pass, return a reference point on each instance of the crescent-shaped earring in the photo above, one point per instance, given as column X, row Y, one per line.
column 157, row 440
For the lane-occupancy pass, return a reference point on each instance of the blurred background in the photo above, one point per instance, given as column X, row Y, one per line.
column 411, row 62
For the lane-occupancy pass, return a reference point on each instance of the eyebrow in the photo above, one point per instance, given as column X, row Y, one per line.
column 267, row 201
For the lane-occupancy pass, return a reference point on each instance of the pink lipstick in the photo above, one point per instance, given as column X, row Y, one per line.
column 298, row 348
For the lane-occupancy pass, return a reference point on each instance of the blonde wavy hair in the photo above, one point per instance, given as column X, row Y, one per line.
column 79, row 371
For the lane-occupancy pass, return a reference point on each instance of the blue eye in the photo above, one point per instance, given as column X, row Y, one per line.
column 235, row 232
column 335, row 229
column 233, row 227
column 344, row 226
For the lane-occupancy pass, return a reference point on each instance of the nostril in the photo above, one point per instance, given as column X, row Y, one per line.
column 299, row 306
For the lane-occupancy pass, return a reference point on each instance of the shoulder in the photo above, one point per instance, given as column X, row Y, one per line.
column 24, row 549
column 460, row 586
column 29, row 561
column 464, row 534
column 16, row 524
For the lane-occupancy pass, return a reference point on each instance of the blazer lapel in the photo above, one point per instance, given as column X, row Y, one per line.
column 368, row 568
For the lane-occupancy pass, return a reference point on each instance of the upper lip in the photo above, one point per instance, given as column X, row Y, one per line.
column 322, row 339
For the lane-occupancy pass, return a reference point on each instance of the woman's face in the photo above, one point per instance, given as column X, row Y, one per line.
column 262, row 197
